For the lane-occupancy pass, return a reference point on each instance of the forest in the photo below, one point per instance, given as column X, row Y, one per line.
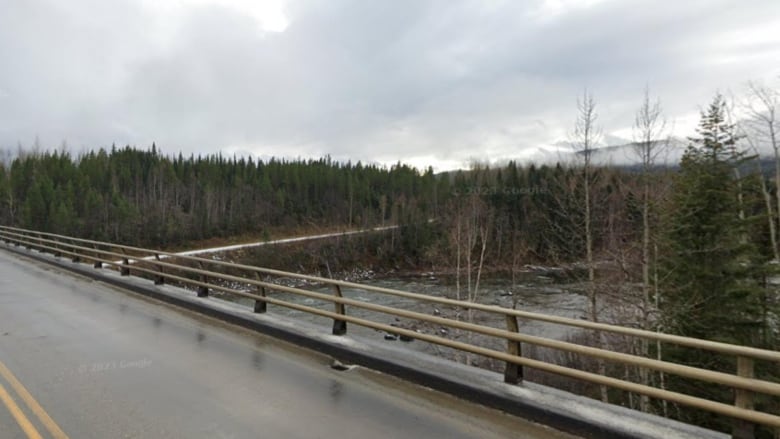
column 690, row 249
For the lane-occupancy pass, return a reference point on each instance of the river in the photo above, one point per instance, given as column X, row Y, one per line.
column 533, row 291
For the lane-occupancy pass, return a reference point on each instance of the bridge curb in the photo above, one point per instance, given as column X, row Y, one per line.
column 479, row 386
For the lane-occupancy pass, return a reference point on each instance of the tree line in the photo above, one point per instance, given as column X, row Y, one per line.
column 143, row 197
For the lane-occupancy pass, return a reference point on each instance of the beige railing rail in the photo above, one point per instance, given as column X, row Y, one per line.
column 202, row 274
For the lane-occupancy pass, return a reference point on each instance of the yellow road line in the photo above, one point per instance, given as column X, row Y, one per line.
column 36, row 408
column 17, row 413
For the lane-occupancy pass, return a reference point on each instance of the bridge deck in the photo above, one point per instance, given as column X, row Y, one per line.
column 105, row 364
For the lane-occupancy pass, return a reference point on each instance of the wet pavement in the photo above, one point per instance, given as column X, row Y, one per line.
column 108, row 364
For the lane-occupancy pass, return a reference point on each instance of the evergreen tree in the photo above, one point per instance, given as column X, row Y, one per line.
column 714, row 284
column 713, row 279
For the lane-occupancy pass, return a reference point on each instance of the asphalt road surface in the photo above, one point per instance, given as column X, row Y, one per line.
column 79, row 359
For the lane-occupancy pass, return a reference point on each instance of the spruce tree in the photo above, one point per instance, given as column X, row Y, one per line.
column 714, row 283
column 714, row 280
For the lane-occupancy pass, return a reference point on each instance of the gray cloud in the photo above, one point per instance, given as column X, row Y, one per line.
column 437, row 81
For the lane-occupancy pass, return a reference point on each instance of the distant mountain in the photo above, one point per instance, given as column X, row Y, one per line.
column 612, row 151
column 669, row 153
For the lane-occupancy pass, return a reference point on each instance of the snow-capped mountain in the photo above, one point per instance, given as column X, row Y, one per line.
column 612, row 150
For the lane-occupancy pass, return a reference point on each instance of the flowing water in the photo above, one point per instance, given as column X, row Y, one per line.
column 532, row 291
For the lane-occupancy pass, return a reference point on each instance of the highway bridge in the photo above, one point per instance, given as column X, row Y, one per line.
column 95, row 342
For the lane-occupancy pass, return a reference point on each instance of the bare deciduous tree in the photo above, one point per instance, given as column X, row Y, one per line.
column 761, row 127
column 584, row 139
column 650, row 141
column 470, row 233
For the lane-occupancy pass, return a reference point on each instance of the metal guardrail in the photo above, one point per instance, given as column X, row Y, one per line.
column 166, row 266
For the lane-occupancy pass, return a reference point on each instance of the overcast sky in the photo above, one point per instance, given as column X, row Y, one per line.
column 436, row 82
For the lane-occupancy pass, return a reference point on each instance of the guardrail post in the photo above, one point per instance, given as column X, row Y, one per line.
column 159, row 279
column 261, row 306
column 339, row 326
column 124, row 269
column 57, row 253
column 40, row 238
column 203, row 291
column 98, row 264
column 743, row 399
column 513, row 373
column 75, row 257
